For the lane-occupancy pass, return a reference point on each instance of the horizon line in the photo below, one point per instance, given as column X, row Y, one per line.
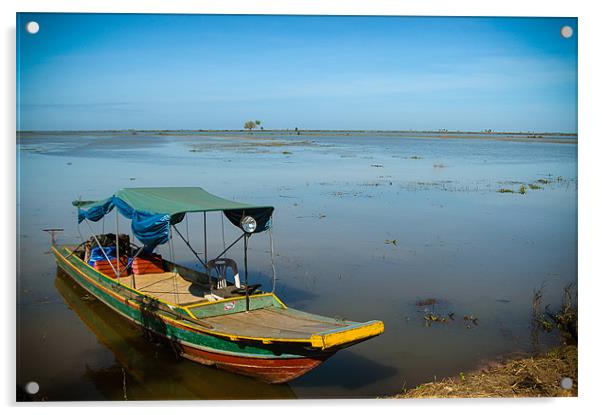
column 440, row 131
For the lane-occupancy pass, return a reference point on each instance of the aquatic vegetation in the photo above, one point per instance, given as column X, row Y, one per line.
column 439, row 166
column 426, row 301
column 564, row 319
column 522, row 190
column 471, row 319
column 534, row 186
column 287, row 153
column 252, row 145
column 32, row 149
column 391, row 241
column 435, row 317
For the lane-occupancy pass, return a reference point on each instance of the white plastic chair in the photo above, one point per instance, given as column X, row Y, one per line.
column 221, row 266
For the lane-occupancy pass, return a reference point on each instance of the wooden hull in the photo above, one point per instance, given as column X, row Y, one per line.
column 266, row 370
column 272, row 363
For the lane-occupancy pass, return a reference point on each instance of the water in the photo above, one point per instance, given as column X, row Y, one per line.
column 366, row 225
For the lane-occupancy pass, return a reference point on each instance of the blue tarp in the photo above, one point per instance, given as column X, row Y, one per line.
column 150, row 228
column 97, row 255
column 144, row 206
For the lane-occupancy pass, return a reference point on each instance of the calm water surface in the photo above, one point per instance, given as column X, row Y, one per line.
column 364, row 227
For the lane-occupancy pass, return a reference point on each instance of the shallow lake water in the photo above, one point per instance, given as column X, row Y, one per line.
column 366, row 225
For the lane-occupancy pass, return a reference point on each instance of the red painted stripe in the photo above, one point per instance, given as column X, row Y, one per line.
column 267, row 370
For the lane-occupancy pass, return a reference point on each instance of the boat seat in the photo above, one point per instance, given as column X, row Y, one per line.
column 221, row 267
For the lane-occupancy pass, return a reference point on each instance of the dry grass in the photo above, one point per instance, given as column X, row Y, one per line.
column 529, row 377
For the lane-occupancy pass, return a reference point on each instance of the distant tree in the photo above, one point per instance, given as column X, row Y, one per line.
column 257, row 123
column 250, row 125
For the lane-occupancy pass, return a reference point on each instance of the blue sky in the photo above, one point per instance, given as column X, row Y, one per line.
column 86, row 71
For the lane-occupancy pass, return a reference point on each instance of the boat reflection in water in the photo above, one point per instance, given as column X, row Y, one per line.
column 151, row 370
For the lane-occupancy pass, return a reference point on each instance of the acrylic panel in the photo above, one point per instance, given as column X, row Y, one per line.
column 307, row 207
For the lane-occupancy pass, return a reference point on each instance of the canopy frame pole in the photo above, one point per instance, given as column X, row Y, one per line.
column 131, row 264
column 246, row 245
column 205, row 234
column 187, row 233
column 189, row 246
column 132, row 261
column 174, row 270
column 78, row 223
column 223, row 233
column 100, row 246
column 117, row 242
column 230, row 246
column 79, row 232
column 272, row 260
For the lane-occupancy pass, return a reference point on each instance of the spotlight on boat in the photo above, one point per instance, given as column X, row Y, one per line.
column 248, row 224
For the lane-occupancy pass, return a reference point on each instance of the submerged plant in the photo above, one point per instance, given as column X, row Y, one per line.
column 503, row 190
column 564, row 319
column 522, row 190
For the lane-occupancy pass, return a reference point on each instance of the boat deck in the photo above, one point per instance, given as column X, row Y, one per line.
column 176, row 290
column 167, row 288
column 272, row 322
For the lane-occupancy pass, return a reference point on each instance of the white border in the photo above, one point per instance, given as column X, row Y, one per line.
column 590, row 71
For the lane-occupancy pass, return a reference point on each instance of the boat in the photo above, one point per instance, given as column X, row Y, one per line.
column 213, row 317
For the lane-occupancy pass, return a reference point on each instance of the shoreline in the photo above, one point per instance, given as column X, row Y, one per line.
column 314, row 131
column 521, row 137
column 535, row 376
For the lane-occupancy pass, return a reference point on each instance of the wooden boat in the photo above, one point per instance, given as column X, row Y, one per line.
column 207, row 317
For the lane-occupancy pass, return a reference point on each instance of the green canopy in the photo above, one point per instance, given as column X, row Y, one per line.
column 171, row 200
column 154, row 209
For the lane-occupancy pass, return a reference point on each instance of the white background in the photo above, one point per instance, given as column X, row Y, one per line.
column 590, row 209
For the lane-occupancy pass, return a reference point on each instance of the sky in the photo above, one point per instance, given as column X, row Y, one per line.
column 129, row 71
